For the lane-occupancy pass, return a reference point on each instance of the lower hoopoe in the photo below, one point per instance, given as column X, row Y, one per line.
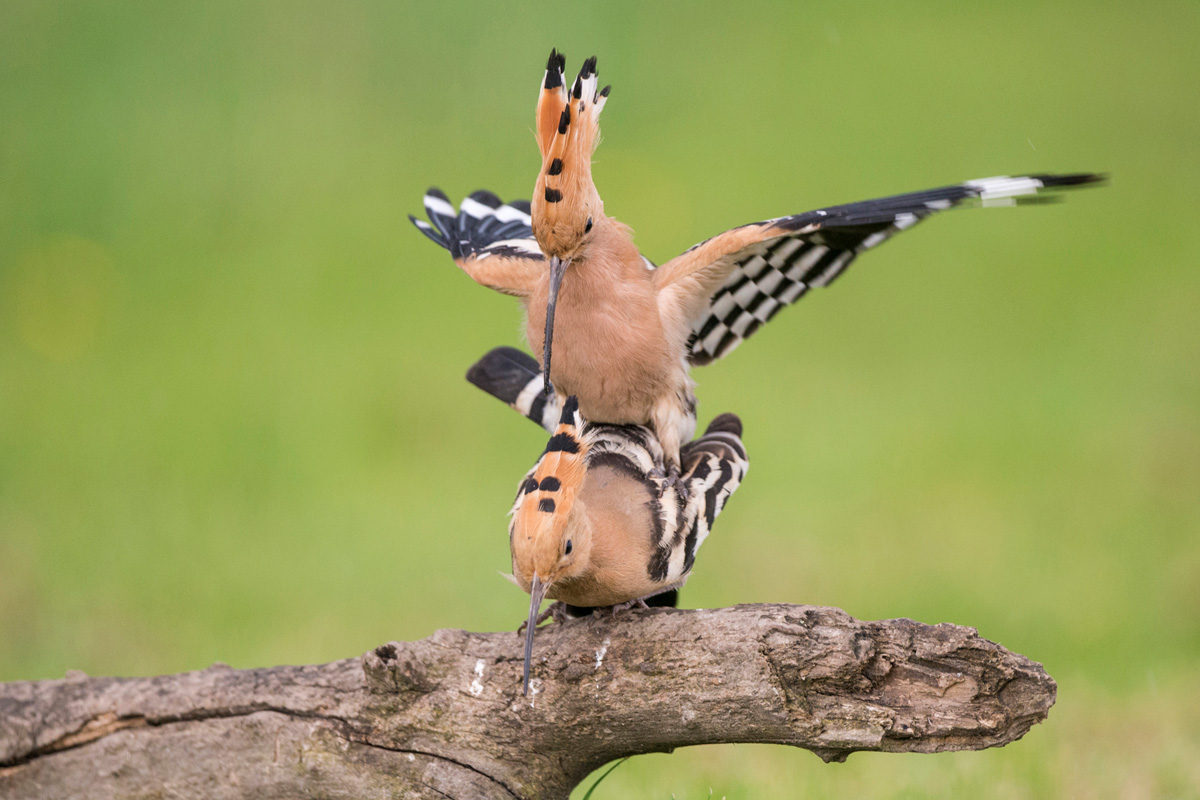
column 629, row 332
column 592, row 524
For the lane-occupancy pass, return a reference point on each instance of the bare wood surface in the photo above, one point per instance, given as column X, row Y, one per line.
column 444, row 716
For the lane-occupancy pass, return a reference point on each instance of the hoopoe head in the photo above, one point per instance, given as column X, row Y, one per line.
column 566, row 205
column 549, row 539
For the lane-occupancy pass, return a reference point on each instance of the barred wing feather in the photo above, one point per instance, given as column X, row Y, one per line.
column 768, row 265
column 484, row 227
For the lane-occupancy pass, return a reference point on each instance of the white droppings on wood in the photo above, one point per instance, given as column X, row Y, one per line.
column 600, row 653
column 476, row 685
column 535, row 687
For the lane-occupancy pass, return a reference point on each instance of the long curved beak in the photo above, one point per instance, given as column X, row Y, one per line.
column 537, row 593
column 558, row 268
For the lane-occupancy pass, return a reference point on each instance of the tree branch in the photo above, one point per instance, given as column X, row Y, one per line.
column 444, row 716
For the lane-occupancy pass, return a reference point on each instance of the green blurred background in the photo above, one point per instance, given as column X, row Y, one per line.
column 233, row 423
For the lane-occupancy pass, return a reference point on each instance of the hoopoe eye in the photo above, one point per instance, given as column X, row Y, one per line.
column 588, row 227
column 567, row 548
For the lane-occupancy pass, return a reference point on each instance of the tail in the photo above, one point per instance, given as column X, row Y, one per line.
column 713, row 468
column 722, row 439
column 568, row 130
column 481, row 222
column 516, row 379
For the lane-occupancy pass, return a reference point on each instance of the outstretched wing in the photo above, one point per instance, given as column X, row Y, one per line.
column 490, row 240
column 731, row 284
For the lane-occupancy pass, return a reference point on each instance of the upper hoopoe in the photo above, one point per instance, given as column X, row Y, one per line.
column 592, row 524
column 627, row 331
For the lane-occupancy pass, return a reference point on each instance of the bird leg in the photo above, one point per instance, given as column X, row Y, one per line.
column 556, row 611
column 639, row 602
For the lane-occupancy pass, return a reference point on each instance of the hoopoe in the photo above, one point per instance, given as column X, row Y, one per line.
column 592, row 524
column 628, row 332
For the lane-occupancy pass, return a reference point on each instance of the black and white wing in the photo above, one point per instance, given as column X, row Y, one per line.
column 749, row 273
column 490, row 240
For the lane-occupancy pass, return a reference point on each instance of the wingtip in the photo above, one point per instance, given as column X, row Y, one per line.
column 1073, row 179
column 434, row 234
column 487, row 198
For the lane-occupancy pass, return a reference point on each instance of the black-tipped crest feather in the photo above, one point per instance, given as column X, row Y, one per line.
column 554, row 67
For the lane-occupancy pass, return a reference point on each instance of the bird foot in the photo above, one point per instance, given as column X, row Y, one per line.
column 669, row 478
column 557, row 611
column 638, row 603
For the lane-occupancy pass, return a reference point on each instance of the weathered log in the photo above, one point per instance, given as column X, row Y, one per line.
column 445, row 717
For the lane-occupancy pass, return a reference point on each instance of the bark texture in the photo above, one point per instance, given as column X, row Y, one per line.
column 444, row 717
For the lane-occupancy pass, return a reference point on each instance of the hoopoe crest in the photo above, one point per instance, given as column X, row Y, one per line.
column 566, row 205
column 544, row 544
column 548, row 541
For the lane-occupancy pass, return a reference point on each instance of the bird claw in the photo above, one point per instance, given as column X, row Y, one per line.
column 637, row 603
column 557, row 611
column 668, row 478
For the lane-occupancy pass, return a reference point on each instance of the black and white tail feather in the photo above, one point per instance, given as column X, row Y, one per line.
column 515, row 378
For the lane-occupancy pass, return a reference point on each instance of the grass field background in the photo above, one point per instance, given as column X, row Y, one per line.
column 233, row 423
